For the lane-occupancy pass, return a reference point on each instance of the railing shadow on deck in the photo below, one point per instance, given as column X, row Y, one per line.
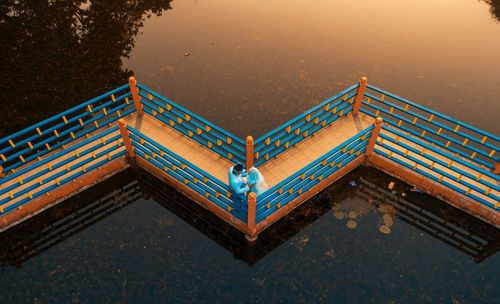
column 447, row 224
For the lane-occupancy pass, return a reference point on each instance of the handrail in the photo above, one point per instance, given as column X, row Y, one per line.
column 312, row 174
column 304, row 125
column 438, row 114
column 186, row 173
column 193, row 126
column 480, row 150
column 40, row 139
column 105, row 149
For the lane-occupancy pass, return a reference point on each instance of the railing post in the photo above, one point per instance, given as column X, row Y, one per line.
column 377, row 125
column 134, row 90
column 126, row 137
column 496, row 169
column 359, row 95
column 1, row 172
column 249, row 141
column 251, row 236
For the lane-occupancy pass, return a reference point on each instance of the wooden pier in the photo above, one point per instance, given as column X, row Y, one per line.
column 135, row 126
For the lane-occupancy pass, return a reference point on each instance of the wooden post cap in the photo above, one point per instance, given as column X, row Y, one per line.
column 378, row 121
column 249, row 140
column 252, row 197
column 122, row 122
column 363, row 80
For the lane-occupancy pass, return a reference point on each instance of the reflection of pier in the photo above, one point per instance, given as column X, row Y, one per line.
column 61, row 222
column 444, row 222
column 46, row 230
column 134, row 126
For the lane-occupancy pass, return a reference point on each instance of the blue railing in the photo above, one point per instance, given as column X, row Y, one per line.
column 442, row 131
column 197, row 128
column 60, row 168
column 187, row 173
column 440, row 166
column 306, row 124
column 311, row 175
column 50, row 134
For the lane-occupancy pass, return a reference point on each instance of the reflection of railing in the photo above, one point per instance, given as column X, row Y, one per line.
column 61, row 222
column 37, row 140
column 311, row 175
column 60, row 168
column 438, row 129
column 443, row 222
column 192, row 125
column 429, row 161
column 306, row 124
column 186, row 173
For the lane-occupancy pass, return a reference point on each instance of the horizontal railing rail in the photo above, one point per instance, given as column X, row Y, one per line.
column 311, row 175
column 186, row 173
column 46, row 136
column 60, row 168
column 440, row 166
column 304, row 125
column 192, row 125
column 443, row 131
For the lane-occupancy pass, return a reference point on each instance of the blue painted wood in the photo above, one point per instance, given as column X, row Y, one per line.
column 433, row 131
column 434, row 178
column 313, row 109
column 440, row 161
column 417, row 134
column 193, row 115
column 58, row 116
column 62, row 182
column 437, row 170
column 437, row 114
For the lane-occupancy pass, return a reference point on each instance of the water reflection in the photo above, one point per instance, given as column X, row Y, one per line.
column 55, row 54
column 370, row 194
column 495, row 8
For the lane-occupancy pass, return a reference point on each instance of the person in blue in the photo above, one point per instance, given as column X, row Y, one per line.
column 238, row 183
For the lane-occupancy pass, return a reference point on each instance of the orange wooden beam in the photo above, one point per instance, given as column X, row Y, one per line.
column 134, row 90
column 250, row 149
column 377, row 126
column 452, row 197
column 122, row 124
column 251, row 234
column 495, row 170
column 359, row 95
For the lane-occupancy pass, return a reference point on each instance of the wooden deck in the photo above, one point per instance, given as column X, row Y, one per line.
column 310, row 149
column 275, row 170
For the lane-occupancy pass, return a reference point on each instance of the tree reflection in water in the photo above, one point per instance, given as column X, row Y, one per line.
column 495, row 8
column 58, row 53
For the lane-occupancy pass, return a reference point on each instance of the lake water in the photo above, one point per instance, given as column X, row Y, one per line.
column 250, row 66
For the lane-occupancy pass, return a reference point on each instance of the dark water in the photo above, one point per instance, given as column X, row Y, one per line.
column 251, row 66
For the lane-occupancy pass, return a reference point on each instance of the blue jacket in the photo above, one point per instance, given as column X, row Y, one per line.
column 236, row 182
